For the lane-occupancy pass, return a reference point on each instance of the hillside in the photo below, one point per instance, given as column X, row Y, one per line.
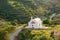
column 16, row 13
column 22, row 10
column 31, row 34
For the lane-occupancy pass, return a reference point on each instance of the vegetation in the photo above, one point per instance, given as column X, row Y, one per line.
column 26, row 34
column 22, row 10
column 47, row 21
column 14, row 13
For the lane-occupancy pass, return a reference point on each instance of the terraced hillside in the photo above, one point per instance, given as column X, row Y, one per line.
column 22, row 10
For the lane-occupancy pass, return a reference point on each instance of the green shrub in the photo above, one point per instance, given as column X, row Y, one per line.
column 47, row 21
column 3, row 35
column 52, row 38
column 44, row 38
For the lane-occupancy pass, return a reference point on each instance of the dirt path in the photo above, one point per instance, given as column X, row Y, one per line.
column 15, row 33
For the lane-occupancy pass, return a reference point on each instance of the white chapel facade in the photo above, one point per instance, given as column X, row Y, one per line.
column 35, row 23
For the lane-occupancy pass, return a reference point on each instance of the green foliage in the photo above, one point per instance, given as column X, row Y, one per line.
column 5, row 29
column 26, row 35
column 3, row 35
column 21, row 11
column 47, row 21
column 15, row 12
column 52, row 36
column 43, row 38
column 36, row 37
column 5, row 32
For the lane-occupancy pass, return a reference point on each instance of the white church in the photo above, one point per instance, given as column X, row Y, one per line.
column 36, row 23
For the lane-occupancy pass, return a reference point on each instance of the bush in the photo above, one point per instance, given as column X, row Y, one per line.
column 52, row 38
column 47, row 21
column 10, row 29
column 43, row 38
column 3, row 35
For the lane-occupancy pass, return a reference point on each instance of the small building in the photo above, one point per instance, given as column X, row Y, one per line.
column 35, row 23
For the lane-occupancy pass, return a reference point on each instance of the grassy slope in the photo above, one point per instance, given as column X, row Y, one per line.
column 30, row 33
